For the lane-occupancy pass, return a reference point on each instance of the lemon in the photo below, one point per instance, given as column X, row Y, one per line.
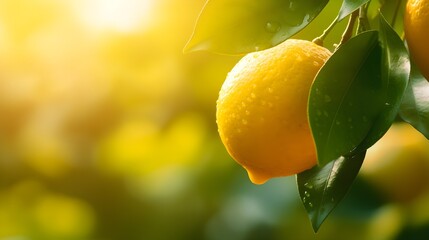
column 262, row 109
column 416, row 25
column 398, row 165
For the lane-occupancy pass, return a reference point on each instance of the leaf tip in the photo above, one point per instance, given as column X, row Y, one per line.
column 196, row 47
column 189, row 46
column 316, row 226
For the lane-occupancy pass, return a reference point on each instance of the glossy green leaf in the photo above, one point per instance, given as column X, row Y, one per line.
column 345, row 97
column 322, row 188
column 393, row 11
column 415, row 105
column 350, row 6
column 242, row 26
column 394, row 74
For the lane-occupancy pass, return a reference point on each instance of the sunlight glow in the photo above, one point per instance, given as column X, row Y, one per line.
column 118, row 15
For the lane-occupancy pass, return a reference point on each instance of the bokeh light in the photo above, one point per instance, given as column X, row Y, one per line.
column 107, row 131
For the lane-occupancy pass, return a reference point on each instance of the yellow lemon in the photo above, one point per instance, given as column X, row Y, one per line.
column 398, row 165
column 262, row 109
column 416, row 26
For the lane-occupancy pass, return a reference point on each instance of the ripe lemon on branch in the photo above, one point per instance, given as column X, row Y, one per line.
column 262, row 109
column 416, row 26
column 398, row 165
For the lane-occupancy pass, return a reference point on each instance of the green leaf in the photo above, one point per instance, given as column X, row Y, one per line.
column 345, row 97
column 415, row 105
column 350, row 6
column 393, row 12
column 242, row 26
column 394, row 75
column 322, row 188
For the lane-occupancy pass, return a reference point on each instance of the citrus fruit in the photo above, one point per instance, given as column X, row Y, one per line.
column 262, row 109
column 416, row 25
column 398, row 165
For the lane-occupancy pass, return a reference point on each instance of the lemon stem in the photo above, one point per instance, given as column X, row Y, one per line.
column 363, row 23
column 348, row 33
column 319, row 40
column 395, row 14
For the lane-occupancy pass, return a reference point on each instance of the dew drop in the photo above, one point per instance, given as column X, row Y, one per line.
column 326, row 113
column 387, row 104
column 307, row 54
column 272, row 27
column 332, row 200
column 315, row 63
column 317, row 91
column 247, row 112
column 304, row 199
column 308, row 185
column 310, row 204
column 327, row 98
column 307, row 194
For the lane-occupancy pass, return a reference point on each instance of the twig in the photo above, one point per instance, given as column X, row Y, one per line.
column 363, row 23
column 319, row 40
column 348, row 33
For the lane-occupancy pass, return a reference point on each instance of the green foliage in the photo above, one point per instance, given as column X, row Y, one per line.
column 415, row 106
column 393, row 11
column 350, row 6
column 242, row 26
column 395, row 70
column 345, row 97
column 356, row 96
column 322, row 188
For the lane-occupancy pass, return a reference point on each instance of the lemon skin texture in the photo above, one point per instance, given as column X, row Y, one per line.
column 416, row 27
column 262, row 109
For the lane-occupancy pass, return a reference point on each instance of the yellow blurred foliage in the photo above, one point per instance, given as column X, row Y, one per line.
column 28, row 209
column 49, row 155
column 101, row 87
column 60, row 217
column 141, row 148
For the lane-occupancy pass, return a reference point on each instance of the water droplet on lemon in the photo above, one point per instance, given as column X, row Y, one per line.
column 272, row 27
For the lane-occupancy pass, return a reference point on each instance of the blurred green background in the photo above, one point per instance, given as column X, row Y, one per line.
column 107, row 131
